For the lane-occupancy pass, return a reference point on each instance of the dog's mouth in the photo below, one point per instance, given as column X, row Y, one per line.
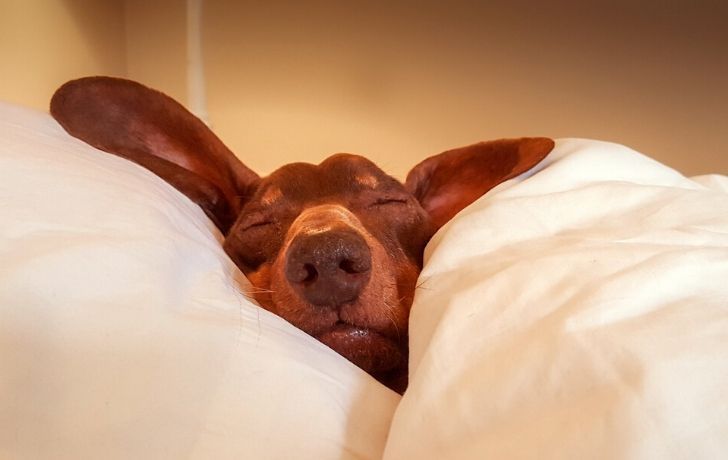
column 368, row 349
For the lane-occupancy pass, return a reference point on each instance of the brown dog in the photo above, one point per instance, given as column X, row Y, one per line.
column 333, row 248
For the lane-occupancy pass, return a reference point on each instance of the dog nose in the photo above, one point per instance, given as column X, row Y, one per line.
column 329, row 268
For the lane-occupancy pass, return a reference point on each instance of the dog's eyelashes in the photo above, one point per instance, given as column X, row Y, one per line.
column 389, row 201
column 257, row 224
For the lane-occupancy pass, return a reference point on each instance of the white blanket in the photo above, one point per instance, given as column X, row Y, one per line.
column 578, row 311
column 581, row 312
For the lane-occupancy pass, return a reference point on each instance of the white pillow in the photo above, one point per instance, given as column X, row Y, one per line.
column 124, row 334
column 579, row 311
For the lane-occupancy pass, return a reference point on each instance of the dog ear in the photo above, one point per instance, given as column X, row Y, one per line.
column 446, row 183
column 145, row 126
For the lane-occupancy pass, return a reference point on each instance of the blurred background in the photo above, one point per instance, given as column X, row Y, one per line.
column 397, row 81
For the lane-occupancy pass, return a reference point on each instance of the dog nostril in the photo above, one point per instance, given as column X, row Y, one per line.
column 352, row 267
column 310, row 274
column 305, row 273
column 329, row 268
column 347, row 266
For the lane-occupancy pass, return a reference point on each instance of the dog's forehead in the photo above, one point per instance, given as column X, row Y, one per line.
column 339, row 174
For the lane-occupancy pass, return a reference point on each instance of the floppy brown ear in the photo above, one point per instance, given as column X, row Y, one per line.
column 446, row 183
column 150, row 128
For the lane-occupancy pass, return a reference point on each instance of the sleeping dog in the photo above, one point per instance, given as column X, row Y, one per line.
column 334, row 248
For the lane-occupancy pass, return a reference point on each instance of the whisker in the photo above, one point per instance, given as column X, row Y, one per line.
column 250, row 292
column 388, row 312
column 255, row 289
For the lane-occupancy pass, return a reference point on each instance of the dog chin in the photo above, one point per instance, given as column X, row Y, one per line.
column 369, row 350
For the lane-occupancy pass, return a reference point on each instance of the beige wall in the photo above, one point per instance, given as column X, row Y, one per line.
column 156, row 44
column 300, row 80
column 45, row 42
column 398, row 81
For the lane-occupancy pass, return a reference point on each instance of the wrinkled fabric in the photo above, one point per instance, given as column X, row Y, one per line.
column 579, row 311
column 126, row 332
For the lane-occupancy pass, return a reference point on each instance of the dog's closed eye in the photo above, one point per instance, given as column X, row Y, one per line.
column 383, row 201
column 256, row 220
column 257, row 224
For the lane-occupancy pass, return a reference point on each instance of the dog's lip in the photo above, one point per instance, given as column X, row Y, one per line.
column 341, row 326
column 344, row 325
column 370, row 350
column 358, row 330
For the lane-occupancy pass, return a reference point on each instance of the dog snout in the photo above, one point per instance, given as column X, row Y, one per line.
column 329, row 268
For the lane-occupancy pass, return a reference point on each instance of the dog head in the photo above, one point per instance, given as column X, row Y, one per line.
column 334, row 248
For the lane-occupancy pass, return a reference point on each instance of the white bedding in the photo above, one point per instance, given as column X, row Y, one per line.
column 581, row 312
column 578, row 311
column 123, row 333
